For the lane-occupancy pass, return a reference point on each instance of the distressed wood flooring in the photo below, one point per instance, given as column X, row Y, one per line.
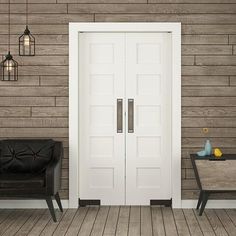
column 119, row 220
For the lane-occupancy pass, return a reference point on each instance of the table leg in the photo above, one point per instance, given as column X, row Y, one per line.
column 199, row 199
column 205, row 196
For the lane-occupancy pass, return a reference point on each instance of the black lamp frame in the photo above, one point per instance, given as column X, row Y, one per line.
column 8, row 66
column 6, row 73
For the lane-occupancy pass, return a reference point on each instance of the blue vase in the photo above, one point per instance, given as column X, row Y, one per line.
column 208, row 148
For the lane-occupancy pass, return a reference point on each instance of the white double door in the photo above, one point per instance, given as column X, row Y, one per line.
column 125, row 117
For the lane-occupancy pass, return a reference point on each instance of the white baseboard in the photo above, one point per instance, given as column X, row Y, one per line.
column 216, row 204
column 27, row 204
column 16, row 204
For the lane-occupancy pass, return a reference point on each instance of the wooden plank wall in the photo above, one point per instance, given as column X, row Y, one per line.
column 37, row 105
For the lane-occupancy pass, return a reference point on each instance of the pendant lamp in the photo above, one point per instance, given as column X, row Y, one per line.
column 27, row 40
column 8, row 66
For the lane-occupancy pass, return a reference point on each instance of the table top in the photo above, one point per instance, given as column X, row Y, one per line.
column 216, row 175
column 225, row 156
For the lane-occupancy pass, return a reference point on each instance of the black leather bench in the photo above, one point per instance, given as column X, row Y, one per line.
column 31, row 169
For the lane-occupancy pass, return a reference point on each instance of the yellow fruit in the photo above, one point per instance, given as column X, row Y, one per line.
column 217, row 152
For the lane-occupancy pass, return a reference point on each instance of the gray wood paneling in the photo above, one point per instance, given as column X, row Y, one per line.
column 37, row 104
column 208, row 111
column 35, row 8
column 216, row 60
column 22, row 81
column 15, row 112
column 33, row 132
column 34, row 122
column 204, row 39
column 208, row 70
column 206, row 49
column 42, row 50
column 205, row 80
column 33, row 91
column 62, row 101
column 206, row 92
column 27, row 101
column 232, row 80
column 184, row 18
column 150, row 8
column 206, row 29
column 209, row 101
column 232, row 39
column 49, row 111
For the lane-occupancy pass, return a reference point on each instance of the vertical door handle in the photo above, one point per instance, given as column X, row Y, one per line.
column 130, row 115
column 119, row 115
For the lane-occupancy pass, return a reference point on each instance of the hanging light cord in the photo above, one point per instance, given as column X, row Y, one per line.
column 9, row 26
column 26, row 13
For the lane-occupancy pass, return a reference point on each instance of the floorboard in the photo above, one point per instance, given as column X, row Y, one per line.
column 51, row 225
column 215, row 223
column 4, row 213
column 99, row 224
column 65, row 223
column 118, row 221
column 157, row 222
column 232, row 214
column 88, row 222
column 169, row 222
column 192, row 222
column 146, row 221
column 111, row 223
column 10, row 220
column 18, row 222
column 123, row 221
column 29, row 224
column 77, row 221
column 181, row 224
column 204, row 224
column 134, row 221
column 40, row 225
column 226, row 221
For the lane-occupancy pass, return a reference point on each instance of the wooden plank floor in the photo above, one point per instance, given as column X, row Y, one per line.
column 120, row 221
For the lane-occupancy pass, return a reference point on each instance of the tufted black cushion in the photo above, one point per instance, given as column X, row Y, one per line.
column 25, row 156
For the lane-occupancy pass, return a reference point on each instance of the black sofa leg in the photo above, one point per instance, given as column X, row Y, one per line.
column 51, row 208
column 57, row 197
column 204, row 202
column 199, row 200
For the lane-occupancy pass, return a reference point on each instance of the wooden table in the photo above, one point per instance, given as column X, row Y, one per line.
column 214, row 176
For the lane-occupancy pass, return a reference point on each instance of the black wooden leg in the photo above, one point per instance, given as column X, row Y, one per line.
column 51, row 208
column 204, row 202
column 199, row 200
column 57, row 197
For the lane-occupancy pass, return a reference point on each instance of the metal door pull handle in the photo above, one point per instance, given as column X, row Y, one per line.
column 130, row 115
column 119, row 115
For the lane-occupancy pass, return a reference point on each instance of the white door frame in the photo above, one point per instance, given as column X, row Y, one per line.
column 74, row 31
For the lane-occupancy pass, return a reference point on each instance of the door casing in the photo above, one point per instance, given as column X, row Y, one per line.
column 75, row 29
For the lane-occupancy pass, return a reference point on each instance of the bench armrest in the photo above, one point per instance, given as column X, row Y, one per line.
column 53, row 170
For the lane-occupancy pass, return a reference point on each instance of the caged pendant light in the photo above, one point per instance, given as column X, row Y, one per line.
column 8, row 66
column 27, row 40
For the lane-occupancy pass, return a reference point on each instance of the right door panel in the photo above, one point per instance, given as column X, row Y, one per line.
column 148, row 96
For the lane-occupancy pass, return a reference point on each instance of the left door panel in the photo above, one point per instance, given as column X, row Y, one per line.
column 101, row 144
